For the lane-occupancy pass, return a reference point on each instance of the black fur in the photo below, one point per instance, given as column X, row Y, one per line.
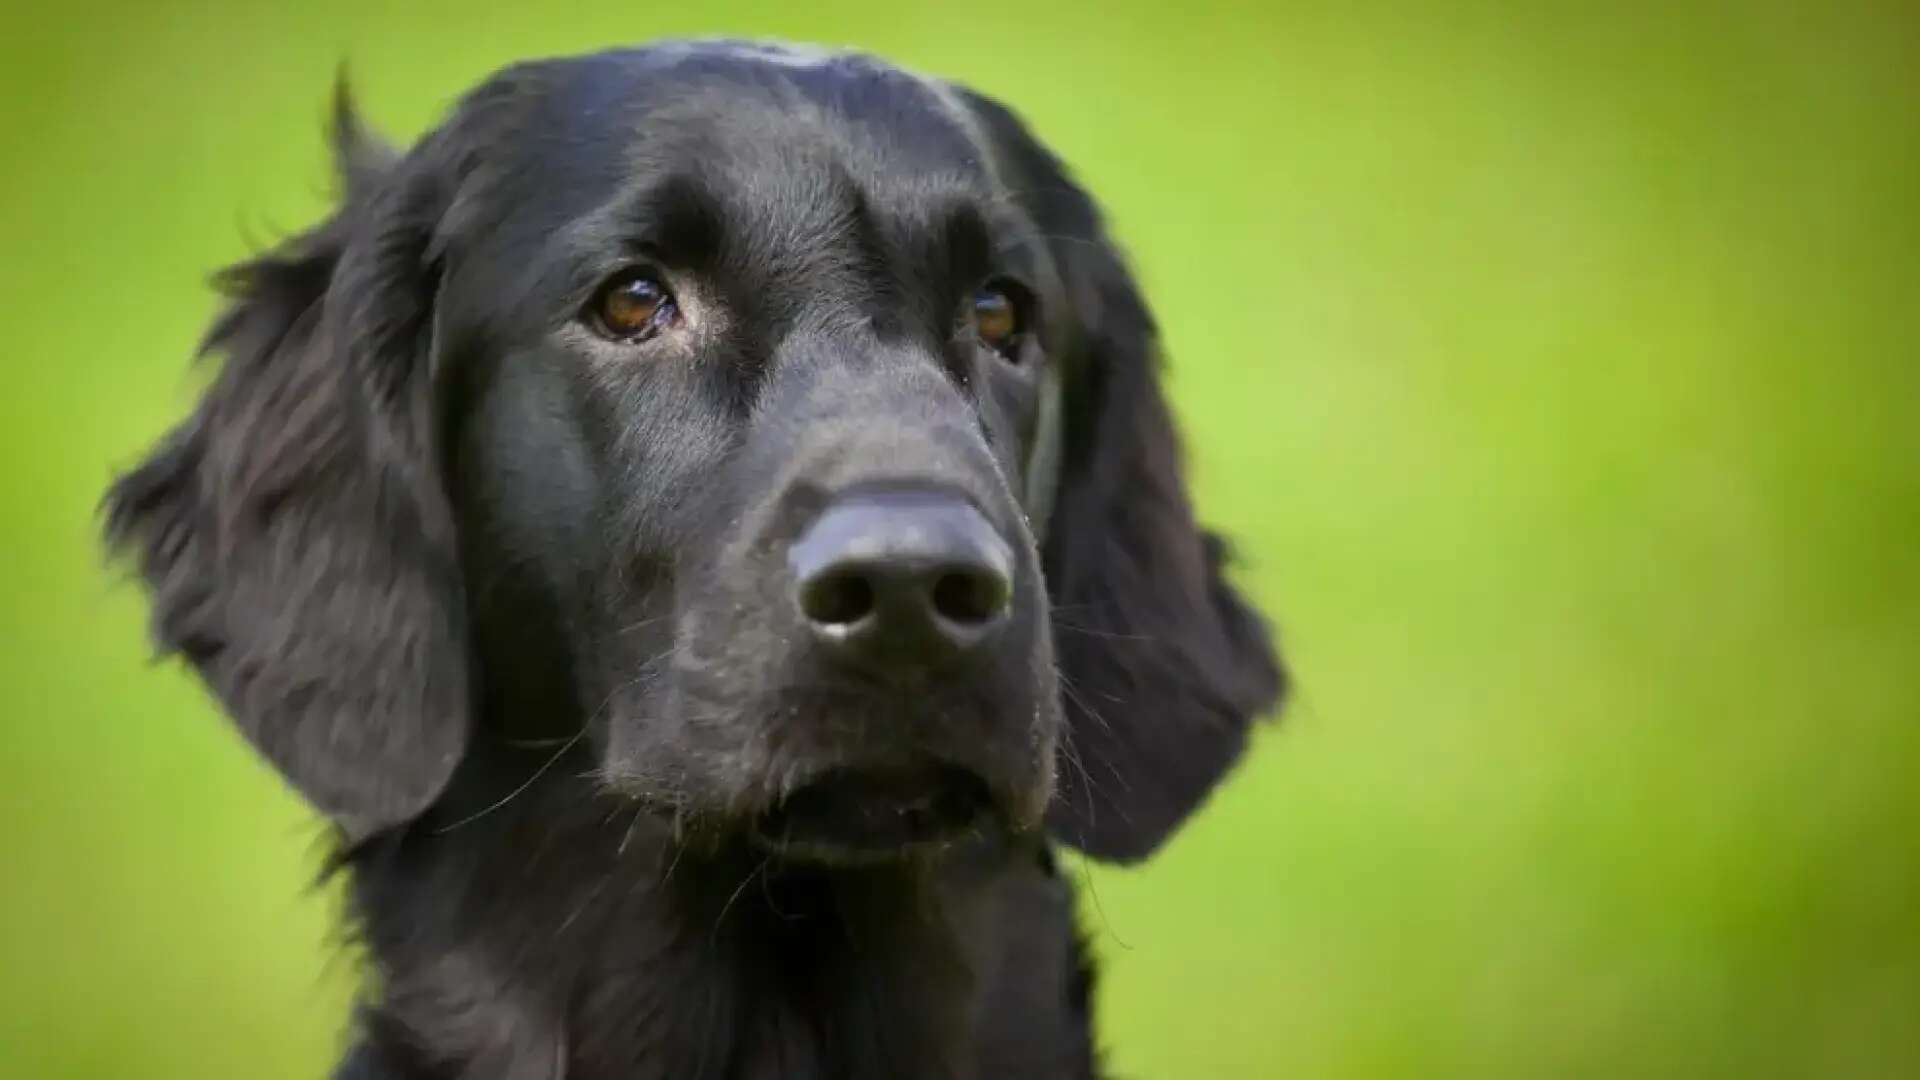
column 505, row 601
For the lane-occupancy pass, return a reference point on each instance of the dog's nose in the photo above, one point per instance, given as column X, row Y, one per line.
column 902, row 580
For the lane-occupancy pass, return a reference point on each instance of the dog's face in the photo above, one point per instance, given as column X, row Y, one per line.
column 764, row 420
column 747, row 391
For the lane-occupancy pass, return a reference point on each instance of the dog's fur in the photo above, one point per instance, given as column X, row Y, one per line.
column 496, row 596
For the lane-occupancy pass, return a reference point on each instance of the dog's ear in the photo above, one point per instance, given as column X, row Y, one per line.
column 1163, row 664
column 295, row 532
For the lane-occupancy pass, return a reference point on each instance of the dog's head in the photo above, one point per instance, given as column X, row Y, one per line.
column 782, row 426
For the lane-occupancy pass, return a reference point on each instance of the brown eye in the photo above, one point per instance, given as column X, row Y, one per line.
column 996, row 320
column 632, row 307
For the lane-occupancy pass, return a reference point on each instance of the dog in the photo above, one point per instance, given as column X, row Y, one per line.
column 702, row 526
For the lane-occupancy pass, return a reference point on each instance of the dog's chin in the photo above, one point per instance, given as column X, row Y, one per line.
column 868, row 815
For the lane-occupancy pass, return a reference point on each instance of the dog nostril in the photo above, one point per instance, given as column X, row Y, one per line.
column 970, row 596
column 901, row 582
column 837, row 599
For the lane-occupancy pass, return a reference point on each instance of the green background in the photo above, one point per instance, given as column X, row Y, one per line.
column 1555, row 368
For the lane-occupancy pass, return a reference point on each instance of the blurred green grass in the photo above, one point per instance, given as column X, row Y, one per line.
column 1554, row 370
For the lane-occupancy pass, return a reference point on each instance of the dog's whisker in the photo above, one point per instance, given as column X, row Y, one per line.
column 1070, row 750
column 1093, row 893
column 516, row 792
column 641, row 624
column 644, row 673
column 1109, row 635
column 738, row 890
column 538, row 744
column 673, row 864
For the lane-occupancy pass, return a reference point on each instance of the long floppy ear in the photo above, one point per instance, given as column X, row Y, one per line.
column 1163, row 663
column 294, row 530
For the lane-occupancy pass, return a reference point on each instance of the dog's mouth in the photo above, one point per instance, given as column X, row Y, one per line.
column 872, row 814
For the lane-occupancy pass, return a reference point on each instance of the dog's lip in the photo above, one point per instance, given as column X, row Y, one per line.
column 877, row 813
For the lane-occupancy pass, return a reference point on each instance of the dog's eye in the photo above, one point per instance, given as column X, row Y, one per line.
column 998, row 320
column 632, row 306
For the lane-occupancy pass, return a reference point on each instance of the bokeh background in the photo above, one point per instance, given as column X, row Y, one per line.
column 1555, row 367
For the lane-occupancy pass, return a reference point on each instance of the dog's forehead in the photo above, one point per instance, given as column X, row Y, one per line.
column 740, row 107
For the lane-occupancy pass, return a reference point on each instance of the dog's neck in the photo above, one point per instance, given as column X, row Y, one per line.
column 576, row 938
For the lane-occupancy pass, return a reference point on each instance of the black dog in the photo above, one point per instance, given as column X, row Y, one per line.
column 701, row 524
